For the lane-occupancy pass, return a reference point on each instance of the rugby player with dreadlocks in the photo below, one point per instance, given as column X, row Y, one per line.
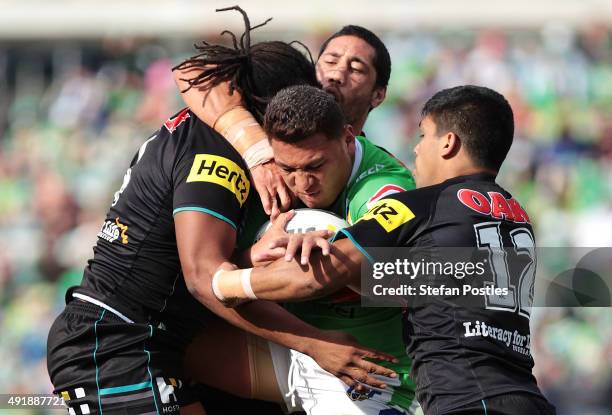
column 354, row 66
column 174, row 220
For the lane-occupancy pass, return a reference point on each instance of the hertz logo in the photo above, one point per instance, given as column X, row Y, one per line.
column 222, row 171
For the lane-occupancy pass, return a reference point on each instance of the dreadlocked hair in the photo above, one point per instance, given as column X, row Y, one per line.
column 257, row 71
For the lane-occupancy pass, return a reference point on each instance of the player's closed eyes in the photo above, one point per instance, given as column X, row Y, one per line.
column 314, row 168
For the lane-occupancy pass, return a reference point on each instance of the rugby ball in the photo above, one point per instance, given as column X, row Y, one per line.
column 307, row 220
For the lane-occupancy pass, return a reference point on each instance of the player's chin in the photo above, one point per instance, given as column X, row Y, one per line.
column 313, row 201
column 417, row 180
column 311, row 204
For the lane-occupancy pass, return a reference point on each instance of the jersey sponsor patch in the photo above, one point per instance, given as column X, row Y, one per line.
column 222, row 171
column 384, row 191
column 172, row 123
column 111, row 231
column 389, row 213
column 495, row 205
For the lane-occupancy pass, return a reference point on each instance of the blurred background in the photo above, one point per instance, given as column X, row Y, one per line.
column 83, row 84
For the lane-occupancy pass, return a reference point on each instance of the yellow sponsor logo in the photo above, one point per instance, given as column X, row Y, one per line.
column 222, row 171
column 389, row 213
column 331, row 228
column 124, row 229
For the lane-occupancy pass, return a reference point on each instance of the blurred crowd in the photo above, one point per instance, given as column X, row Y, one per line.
column 72, row 114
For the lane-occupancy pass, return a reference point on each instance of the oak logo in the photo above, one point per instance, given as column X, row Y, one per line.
column 495, row 205
column 389, row 213
column 222, row 171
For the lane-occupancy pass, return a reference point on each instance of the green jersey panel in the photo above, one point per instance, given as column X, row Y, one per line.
column 376, row 174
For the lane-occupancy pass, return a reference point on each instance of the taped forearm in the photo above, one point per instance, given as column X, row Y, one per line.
column 223, row 111
column 286, row 281
column 242, row 131
column 235, row 287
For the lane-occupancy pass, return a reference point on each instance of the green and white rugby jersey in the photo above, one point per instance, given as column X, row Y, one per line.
column 375, row 174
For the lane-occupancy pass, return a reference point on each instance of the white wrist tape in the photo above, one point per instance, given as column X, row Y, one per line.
column 245, row 278
column 215, row 285
column 238, row 130
column 258, row 153
column 243, row 132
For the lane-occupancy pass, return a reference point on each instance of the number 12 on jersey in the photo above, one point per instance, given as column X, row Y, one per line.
column 520, row 285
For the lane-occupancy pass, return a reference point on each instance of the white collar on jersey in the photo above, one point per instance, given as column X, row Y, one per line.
column 357, row 161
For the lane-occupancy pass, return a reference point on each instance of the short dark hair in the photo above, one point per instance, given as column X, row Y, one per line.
column 301, row 111
column 382, row 60
column 479, row 116
column 257, row 71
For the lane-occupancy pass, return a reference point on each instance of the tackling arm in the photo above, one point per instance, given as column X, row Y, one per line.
column 201, row 252
column 290, row 281
column 204, row 243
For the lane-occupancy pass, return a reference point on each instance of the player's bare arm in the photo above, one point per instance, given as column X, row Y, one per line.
column 204, row 243
column 285, row 280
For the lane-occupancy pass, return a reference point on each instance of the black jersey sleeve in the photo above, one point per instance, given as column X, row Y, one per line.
column 387, row 223
column 210, row 177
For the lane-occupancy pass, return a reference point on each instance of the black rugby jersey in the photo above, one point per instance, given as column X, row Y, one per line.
column 185, row 165
column 462, row 351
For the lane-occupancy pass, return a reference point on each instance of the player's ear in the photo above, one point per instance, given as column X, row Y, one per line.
column 378, row 96
column 348, row 135
column 449, row 144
